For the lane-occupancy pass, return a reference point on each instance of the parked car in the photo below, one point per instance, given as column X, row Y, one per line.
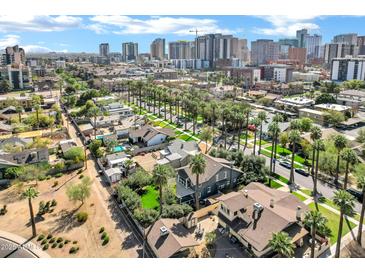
column 302, row 172
column 356, row 193
column 285, row 164
column 233, row 239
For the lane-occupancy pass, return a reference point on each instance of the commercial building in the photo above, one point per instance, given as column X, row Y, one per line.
column 313, row 44
column 349, row 68
column 277, row 72
column 299, row 54
column 301, row 34
column 361, row 44
column 129, row 51
column 182, row 50
column 158, row 49
column 249, row 75
column 332, row 51
column 348, row 39
column 263, row 51
column 104, row 49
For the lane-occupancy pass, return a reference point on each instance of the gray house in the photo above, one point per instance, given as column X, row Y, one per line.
column 29, row 156
column 219, row 174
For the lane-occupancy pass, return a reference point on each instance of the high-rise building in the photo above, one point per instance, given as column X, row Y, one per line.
column 291, row 42
column 347, row 38
column 339, row 51
column 344, row 69
column 182, row 50
column 361, row 44
column 104, row 49
column 301, row 34
column 14, row 55
column 299, row 54
column 243, row 51
column 313, row 45
column 264, row 51
column 158, row 49
column 129, row 51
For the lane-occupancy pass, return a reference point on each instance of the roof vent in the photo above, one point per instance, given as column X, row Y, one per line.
column 163, row 231
column 299, row 213
column 258, row 207
column 246, row 193
column 272, row 203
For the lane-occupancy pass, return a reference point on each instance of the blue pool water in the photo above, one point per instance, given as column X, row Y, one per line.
column 119, row 148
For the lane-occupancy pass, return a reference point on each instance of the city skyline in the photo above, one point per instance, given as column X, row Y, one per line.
column 85, row 33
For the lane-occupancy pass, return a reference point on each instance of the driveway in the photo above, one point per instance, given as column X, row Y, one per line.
column 225, row 247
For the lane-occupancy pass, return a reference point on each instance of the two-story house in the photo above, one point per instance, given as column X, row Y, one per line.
column 253, row 214
column 218, row 175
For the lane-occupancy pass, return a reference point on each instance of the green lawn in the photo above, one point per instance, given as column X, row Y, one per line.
column 150, row 198
column 286, row 152
column 306, row 191
column 281, row 178
column 333, row 221
column 184, row 137
column 274, row 184
column 299, row 196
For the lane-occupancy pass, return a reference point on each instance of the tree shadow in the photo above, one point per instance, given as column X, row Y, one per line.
column 66, row 221
column 129, row 242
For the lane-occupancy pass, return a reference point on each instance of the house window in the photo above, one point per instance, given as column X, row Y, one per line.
column 235, row 213
column 208, row 189
column 217, row 177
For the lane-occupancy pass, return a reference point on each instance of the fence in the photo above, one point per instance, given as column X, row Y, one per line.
column 148, row 149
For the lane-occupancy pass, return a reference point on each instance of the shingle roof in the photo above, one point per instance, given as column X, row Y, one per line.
column 178, row 238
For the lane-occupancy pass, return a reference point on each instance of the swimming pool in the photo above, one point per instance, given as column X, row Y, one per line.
column 118, row 149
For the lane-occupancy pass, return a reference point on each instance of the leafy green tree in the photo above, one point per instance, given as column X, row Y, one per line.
column 75, row 155
column 161, row 175
column 145, row 216
column 282, row 244
column 350, row 157
column 197, row 166
column 314, row 220
column 13, row 172
column 253, row 168
column 131, row 199
column 284, row 139
column 206, row 135
column 5, row 86
column 333, row 117
column 95, row 148
column 128, row 164
column 294, row 138
column 138, row 180
column 210, row 239
column 169, row 195
column 30, row 194
column 345, row 201
column 325, row 98
column 81, row 191
column 176, row 211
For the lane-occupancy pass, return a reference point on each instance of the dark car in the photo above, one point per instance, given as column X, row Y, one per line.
column 302, row 172
column 285, row 164
column 357, row 194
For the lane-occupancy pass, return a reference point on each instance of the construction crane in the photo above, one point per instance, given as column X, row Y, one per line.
column 196, row 41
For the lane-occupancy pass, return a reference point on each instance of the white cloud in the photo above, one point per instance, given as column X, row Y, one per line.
column 9, row 40
column 118, row 24
column 40, row 49
column 38, row 23
column 284, row 25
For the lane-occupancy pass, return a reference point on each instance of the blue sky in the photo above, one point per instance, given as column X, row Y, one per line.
column 84, row 33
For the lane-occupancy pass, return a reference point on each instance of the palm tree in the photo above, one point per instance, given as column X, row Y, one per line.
column 277, row 118
column 273, row 131
column 19, row 110
column 361, row 185
column 213, row 106
column 316, row 134
column 127, row 164
column 161, row 175
column 345, row 201
column 94, row 112
column 318, row 146
column 197, row 166
column 255, row 122
column 30, row 194
column 262, row 116
column 315, row 221
column 294, row 138
column 350, row 157
column 340, row 143
column 282, row 244
column 206, row 135
column 247, row 112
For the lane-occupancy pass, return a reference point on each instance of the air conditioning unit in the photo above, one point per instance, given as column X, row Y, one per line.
column 163, row 231
column 258, row 207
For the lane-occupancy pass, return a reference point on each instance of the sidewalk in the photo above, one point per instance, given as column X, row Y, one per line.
column 30, row 247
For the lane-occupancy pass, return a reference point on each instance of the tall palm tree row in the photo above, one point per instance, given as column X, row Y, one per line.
column 361, row 185
column 294, row 138
column 316, row 134
column 317, row 147
column 197, row 166
column 273, row 132
column 262, row 116
column 350, row 158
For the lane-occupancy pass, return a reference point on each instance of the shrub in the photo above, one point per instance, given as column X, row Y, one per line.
column 44, row 242
column 45, row 247
column 60, row 245
column 59, row 239
column 55, row 184
column 52, row 240
column 49, row 236
column 73, row 250
column 106, row 240
column 74, row 242
column 54, row 245
column 40, row 237
column 81, row 176
column 42, row 177
column 79, row 171
column 54, row 202
column 58, row 175
column 101, row 229
column 48, row 177
column 67, row 241
column 103, row 235
column 81, row 217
